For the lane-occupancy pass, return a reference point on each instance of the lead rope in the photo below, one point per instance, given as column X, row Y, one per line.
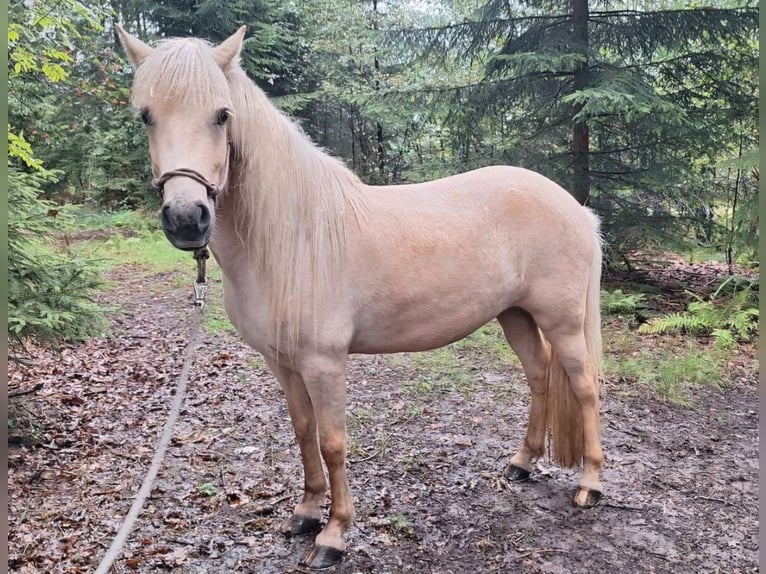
column 200, row 293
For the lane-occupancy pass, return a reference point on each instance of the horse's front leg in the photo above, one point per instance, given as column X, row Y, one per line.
column 308, row 513
column 325, row 382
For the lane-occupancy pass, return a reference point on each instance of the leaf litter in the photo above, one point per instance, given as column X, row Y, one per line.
column 425, row 465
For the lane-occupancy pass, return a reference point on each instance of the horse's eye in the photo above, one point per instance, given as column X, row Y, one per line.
column 146, row 117
column 223, row 115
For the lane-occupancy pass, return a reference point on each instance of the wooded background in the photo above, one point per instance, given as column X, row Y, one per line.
column 645, row 110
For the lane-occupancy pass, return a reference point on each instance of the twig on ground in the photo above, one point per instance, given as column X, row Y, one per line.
column 21, row 392
column 365, row 459
column 528, row 553
column 722, row 501
column 184, row 541
column 623, row 507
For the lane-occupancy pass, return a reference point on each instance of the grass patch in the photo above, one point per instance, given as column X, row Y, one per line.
column 258, row 362
column 439, row 361
column 125, row 238
column 669, row 373
column 401, row 527
column 440, row 370
column 489, row 341
column 455, row 368
column 132, row 222
column 425, row 385
column 149, row 251
column 704, row 254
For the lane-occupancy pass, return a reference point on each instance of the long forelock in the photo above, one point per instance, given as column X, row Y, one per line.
column 181, row 70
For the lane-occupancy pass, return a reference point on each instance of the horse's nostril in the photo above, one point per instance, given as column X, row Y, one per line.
column 204, row 217
column 168, row 221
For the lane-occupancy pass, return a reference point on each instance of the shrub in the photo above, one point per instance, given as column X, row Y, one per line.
column 49, row 292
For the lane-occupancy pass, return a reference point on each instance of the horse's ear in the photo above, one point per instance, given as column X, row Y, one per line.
column 227, row 52
column 136, row 50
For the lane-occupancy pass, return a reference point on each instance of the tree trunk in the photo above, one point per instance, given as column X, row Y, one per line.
column 380, row 147
column 580, row 135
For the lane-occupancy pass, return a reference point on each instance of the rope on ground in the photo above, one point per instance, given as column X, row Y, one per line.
column 159, row 454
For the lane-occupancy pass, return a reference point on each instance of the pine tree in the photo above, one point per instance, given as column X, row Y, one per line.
column 271, row 55
column 626, row 108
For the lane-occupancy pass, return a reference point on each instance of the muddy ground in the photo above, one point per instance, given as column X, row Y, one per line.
column 426, row 457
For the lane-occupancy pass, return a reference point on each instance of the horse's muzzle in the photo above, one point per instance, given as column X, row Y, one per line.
column 187, row 228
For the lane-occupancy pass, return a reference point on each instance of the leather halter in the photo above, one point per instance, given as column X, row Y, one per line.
column 159, row 183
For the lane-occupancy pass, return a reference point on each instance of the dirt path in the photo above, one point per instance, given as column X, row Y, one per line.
column 425, row 461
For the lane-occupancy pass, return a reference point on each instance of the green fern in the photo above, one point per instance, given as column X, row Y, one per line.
column 616, row 302
column 673, row 323
column 724, row 339
column 727, row 321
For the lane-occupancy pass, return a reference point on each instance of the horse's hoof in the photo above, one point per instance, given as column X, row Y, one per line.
column 298, row 525
column 587, row 498
column 516, row 473
column 321, row 557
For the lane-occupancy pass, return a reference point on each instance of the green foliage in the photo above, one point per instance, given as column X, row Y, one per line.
column 729, row 320
column 399, row 521
column 616, row 302
column 19, row 148
column 207, row 489
column 49, row 291
column 83, row 125
column 273, row 53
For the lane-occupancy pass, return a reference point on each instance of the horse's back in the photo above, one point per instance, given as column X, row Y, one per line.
column 507, row 209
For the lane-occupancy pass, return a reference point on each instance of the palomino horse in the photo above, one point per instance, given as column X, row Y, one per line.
column 317, row 265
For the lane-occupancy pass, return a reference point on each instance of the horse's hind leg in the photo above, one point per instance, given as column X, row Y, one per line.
column 570, row 353
column 527, row 342
column 307, row 514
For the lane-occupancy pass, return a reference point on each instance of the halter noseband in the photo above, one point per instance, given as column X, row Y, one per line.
column 159, row 183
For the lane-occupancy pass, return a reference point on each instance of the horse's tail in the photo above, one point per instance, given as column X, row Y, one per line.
column 564, row 415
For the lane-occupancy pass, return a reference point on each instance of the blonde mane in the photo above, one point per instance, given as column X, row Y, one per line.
column 291, row 198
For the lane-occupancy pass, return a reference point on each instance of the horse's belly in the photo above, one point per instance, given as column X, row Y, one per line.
column 410, row 340
column 420, row 324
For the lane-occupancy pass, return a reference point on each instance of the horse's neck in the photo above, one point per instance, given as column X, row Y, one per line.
column 228, row 247
column 281, row 235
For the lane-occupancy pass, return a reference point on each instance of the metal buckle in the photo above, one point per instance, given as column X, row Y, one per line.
column 200, row 284
column 200, row 294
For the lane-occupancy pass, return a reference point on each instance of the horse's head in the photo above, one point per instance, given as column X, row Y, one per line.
column 182, row 96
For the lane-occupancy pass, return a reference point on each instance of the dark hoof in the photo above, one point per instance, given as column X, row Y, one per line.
column 586, row 498
column 516, row 473
column 321, row 557
column 300, row 525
